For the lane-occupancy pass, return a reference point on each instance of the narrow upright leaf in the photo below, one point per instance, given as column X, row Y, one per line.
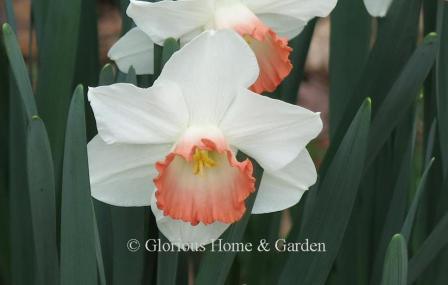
column 289, row 88
column 435, row 242
column 402, row 95
column 396, row 263
column 19, row 71
column 58, row 51
column 78, row 259
column 442, row 87
column 170, row 46
column 41, row 187
column 331, row 211
column 350, row 44
column 407, row 225
column 107, row 75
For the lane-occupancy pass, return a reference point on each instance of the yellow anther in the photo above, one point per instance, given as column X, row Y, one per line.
column 248, row 39
column 201, row 160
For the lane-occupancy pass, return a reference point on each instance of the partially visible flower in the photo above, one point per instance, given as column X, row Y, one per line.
column 181, row 137
column 378, row 8
column 266, row 25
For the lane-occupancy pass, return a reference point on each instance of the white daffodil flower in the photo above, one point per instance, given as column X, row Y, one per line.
column 378, row 8
column 266, row 25
column 181, row 136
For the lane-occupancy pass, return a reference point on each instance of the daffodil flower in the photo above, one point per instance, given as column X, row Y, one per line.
column 378, row 8
column 181, row 137
column 266, row 25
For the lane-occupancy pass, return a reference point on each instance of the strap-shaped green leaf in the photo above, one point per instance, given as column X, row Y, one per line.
column 349, row 49
column 57, row 58
column 429, row 250
column 41, row 187
column 20, row 71
column 107, row 75
column 402, row 94
column 442, row 85
column 396, row 213
column 78, row 259
column 409, row 221
column 329, row 216
column 396, row 263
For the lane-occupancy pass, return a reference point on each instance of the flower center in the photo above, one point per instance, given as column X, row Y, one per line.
column 202, row 159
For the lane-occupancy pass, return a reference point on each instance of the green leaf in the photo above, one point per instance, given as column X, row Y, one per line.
column 128, row 223
column 19, row 71
column 10, row 14
column 170, row 46
column 396, row 212
column 215, row 266
column 107, row 75
column 435, row 242
column 402, row 95
column 41, row 187
column 39, row 14
column 333, row 206
column 396, row 262
column 98, row 249
column 289, row 89
column 4, row 163
column 58, row 53
column 131, row 76
column 349, row 50
column 442, row 87
column 407, row 225
column 126, row 23
column 167, row 264
column 23, row 265
column 394, row 45
column 78, row 259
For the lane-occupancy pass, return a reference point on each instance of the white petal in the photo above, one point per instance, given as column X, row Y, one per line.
column 283, row 188
column 169, row 19
column 271, row 131
column 302, row 10
column 209, row 70
column 378, row 8
column 125, row 113
column 134, row 49
column 182, row 233
column 285, row 26
column 122, row 174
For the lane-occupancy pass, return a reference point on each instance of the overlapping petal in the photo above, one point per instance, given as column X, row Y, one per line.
column 271, row 131
column 210, row 70
column 134, row 49
column 121, row 174
column 378, row 8
column 125, row 113
column 274, row 12
column 283, row 188
column 169, row 19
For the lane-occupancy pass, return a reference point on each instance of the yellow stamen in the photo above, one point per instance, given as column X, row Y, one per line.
column 201, row 160
column 248, row 39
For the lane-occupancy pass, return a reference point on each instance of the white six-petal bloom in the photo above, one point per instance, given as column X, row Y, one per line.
column 180, row 137
column 265, row 24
